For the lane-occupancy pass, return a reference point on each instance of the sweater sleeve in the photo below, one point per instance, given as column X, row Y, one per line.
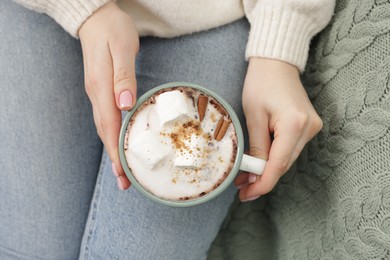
column 282, row 29
column 70, row 14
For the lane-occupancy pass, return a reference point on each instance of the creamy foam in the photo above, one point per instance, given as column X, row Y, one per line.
column 174, row 155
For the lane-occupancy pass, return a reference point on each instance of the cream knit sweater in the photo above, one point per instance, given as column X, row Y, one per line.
column 280, row 29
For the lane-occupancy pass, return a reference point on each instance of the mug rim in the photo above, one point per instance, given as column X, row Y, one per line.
column 210, row 195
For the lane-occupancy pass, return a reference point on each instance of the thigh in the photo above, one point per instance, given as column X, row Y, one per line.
column 126, row 225
column 49, row 150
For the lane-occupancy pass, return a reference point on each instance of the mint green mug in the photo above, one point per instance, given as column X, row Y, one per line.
column 242, row 162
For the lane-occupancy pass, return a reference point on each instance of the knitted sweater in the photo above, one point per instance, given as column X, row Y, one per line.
column 335, row 201
column 280, row 29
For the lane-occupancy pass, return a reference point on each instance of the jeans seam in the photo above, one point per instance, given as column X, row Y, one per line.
column 90, row 225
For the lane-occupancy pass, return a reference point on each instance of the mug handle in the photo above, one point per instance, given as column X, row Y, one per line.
column 252, row 164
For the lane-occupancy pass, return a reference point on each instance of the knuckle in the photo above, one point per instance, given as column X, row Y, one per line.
column 88, row 89
column 103, row 126
column 257, row 151
column 282, row 166
column 123, row 75
column 300, row 121
column 99, row 133
column 317, row 124
column 267, row 189
column 90, row 84
column 92, row 81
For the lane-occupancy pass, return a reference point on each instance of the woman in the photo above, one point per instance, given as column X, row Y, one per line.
column 49, row 208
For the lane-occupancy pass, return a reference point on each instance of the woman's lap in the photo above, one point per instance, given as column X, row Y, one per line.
column 50, row 154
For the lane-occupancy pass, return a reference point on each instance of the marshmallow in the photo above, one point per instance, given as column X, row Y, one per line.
column 193, row 153
column 172, row 105
column 149, row 149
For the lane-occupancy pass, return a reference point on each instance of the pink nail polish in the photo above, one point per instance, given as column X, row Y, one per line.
column 114, row 170
column 120, row 184
column 251, row 198
column 252, row 178
column 125, row 99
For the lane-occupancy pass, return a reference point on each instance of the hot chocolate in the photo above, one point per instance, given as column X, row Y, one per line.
column 180, row 144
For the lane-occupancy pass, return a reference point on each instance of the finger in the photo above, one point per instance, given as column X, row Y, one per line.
column 259, row 144
column 241, row 180
column 122, row 181
column 123, row 59
column 91, row 95
column 107, row 112
column 278, row 163
column 110, row 121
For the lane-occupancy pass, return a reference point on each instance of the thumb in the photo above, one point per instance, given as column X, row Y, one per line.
column 125, row 86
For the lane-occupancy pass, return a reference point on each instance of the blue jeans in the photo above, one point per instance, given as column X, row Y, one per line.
column 58, row 196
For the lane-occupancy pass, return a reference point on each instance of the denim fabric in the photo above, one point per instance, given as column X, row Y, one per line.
column 49, row 150
column 58, row 196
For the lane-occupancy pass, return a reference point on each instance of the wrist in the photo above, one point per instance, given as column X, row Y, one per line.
column 270, row 68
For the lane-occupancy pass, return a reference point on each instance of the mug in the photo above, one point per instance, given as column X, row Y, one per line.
column 242, row 162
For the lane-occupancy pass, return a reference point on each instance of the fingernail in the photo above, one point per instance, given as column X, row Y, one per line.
column 251, row 198
column 125, row 99
column 114, row 170
column 120, row 184
column 252, row 178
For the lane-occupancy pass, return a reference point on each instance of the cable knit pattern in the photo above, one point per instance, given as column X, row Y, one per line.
column 335, row 201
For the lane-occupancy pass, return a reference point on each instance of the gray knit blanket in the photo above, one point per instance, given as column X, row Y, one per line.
column 335, row 201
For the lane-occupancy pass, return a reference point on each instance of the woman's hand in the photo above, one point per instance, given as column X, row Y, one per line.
column 110, row 44
column 275, row 103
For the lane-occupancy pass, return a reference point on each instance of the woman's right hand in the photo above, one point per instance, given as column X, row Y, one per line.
column 110, row 44
column 280, row 120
